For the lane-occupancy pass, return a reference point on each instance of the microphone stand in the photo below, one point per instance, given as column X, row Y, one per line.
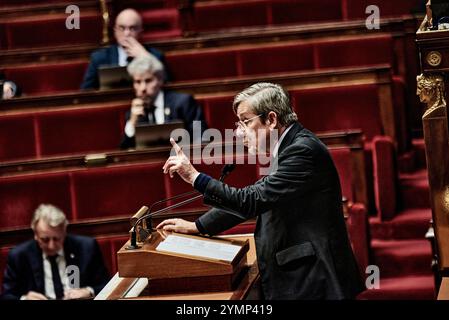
column 228, row 168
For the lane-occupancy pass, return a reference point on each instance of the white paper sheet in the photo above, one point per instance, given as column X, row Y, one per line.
column 199, row 248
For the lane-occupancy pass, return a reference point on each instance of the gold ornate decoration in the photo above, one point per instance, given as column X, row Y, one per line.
column 105, row 16
column 434, row 58
column 430, row 89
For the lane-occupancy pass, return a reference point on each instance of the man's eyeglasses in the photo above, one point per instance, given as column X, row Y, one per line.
column 130, row 28
column 243, row 123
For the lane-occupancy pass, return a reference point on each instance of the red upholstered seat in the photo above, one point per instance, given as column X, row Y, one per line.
column 339, row 108
column 159, row 24
column 277, row 58
column 21, row 195
column 5, row 3
column 108, row 256
column 117, row 191
column 51, row 30
column 356, row 8
column 221, row 15
column 342, row 161
column 17, row 137
column 358, row 231
column 81, row 130
column 355, row 52
column 3, row 259
column 46, row 78
column 206, row 64
column 218, row 112
column 305, row 11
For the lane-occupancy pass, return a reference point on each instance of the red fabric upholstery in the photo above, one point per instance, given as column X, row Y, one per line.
column 355, row 52
column 270, row 59
column 106, row 251
column 45, row 78
column 357, row 225
column 342, row 161
column 384, row 175
column 17, row 138
column 356, row 8
column 339, row 108
column 218, row 112
column 81, row 130
column 305, row 11
column 3, row 259
column 5, row 3
column 160, row 24
column 117, row 191
column 117, row 243
column 222, row 15
column 202, row 65
column 52, row 31
column 21, row 195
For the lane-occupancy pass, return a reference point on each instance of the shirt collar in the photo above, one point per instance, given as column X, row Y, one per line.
column 278, row 143
column 122, row 56
column 60, row 253
column 159, row 101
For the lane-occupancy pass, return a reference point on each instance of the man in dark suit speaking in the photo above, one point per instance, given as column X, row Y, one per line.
column 127, row 28
column 153, row 105
column 54, row 265
column 303, row 250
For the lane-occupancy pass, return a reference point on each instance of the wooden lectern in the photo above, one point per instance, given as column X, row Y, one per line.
column 432, row 86
column 202, row 287
column 188, row 264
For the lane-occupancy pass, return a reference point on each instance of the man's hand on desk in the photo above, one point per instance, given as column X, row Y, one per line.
column 178, row 225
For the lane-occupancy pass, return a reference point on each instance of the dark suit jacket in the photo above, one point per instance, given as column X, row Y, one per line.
column 25, row 268
column 107, row 56
column 302, row 245
column 182, row 107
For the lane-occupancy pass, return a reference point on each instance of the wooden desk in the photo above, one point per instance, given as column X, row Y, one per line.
column 132, row 288
column 443, row 294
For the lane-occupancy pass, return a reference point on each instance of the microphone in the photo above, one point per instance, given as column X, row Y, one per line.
column 225, row 171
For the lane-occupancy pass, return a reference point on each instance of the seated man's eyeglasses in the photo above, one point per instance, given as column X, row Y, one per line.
column 130, row 28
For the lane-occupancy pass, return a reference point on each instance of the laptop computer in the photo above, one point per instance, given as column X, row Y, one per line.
column 113, row 76
column 157, row 134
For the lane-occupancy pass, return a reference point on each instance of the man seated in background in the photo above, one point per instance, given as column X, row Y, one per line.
column 10, row 90
column 153, row 105
column 127, row 28
column 54, row 265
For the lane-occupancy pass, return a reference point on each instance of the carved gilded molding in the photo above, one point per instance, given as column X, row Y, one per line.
column 430, row 89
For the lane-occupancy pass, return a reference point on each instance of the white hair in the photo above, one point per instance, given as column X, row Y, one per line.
column 147, row 63
column 50, row 214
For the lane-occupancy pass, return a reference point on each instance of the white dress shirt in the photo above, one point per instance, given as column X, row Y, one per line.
column 159, row 114
column 122, row 56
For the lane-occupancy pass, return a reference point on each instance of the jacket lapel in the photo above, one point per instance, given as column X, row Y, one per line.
column 37, row 266
column 113, row 54
column 290, row 136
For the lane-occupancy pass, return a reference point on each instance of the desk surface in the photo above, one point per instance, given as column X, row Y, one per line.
column 131, row 288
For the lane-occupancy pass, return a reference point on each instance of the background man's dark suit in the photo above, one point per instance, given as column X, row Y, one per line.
column 303, row 250
column 107, row 56
column 182, row 107
column 25, row 269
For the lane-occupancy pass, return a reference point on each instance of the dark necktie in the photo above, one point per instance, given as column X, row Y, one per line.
column 57, row 284
column 129, row 59
column 150, row 114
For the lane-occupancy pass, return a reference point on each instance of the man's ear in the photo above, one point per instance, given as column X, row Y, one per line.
column 272, row 120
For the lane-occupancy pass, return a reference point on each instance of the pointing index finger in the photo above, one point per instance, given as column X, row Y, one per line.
column 177, row 148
